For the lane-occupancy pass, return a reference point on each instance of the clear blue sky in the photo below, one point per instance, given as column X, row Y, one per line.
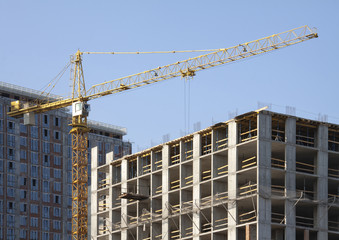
column 37, row 38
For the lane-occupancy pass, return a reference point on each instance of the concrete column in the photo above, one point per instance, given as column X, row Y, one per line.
column 196, row 185
column 232, row 180
column 165, row 189
column 124, row 219
column 321, row 218
column 290, row 179
column 264, row 175
column 94, row 191
column 109, row 159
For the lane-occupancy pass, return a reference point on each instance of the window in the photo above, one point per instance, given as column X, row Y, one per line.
column 45, row 186
column 45, row 225
column 1, row 152
column 34, row 222
column 57, row 147
column 10, row 233
column 57, row 186
column 23, row 128
column 23, row 220
column 46, row 161
column 56, row 225
column 10, row 220
column 23, row 141
column 11, row 167
column 34, row 184
column 10, row 192
column 57, row 160
column 69, row 226
column 23, row 181
column 57, row 135
column 1, row 165
column 45, row 212
column 34, row 208
column 57, row 199
column 34, row 144
column 107, row 147
column 46, row 197
column 23, row 194
column 23, row 154
column 23, row 233
column 11, row 180
column 45, row 235
column 11, row 140
column 23, row 167
column 45, row 134
column 1, row 179
column 34, row 171
column 34, row 234
column 10, row 207
column 57, row 173
column 45, row 122
column 56, row 121
column 34, row 132
column 56, row 236
column 57, row 212
column 34, row 158
column 45, row 147
column 23, row 207
column 10, row 126
column 46, row 173
column 11, row 154
column 34, row 196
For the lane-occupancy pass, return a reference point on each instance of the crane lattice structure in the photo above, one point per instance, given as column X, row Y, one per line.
column 80, row 97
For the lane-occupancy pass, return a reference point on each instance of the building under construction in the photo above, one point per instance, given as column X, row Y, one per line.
column 261, row 175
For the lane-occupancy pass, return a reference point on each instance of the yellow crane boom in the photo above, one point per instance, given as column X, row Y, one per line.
column 183, row 68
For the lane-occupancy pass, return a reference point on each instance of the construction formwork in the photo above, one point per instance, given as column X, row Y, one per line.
column 261, row 175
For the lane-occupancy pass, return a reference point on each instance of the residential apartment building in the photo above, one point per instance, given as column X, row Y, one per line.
column 35, row 168
column 261, row 175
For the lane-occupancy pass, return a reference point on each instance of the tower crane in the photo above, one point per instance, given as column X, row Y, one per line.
column 80, row 97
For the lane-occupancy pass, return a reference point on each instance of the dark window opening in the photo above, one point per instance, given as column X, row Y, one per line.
column 45, row 119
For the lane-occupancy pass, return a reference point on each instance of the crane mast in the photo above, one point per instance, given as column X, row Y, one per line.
column 80, row 97
column 79, row 133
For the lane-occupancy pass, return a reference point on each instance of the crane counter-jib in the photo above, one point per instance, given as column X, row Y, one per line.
column 18, row 109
